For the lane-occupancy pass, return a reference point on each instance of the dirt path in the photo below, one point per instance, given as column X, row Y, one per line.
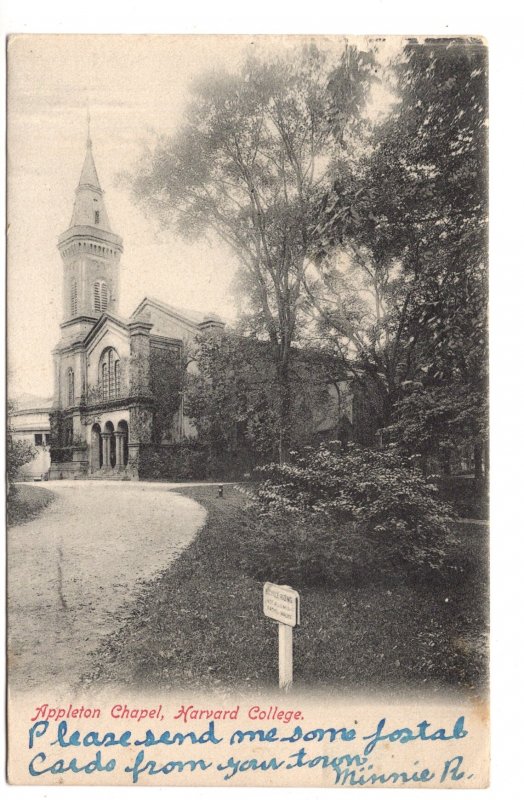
column 83, row 560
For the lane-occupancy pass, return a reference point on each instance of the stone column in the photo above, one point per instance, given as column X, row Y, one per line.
column 119, row 449
column 139, row 359
column 133, row 459
column 106, row 451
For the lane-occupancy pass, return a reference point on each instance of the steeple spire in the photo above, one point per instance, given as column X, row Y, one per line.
column 89, row 208
column 89, row 142
column 89, row 176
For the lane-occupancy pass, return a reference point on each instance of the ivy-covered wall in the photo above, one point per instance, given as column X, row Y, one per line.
column 140, row 424
column 190, row 460
column 166, row 387
column 139, row 359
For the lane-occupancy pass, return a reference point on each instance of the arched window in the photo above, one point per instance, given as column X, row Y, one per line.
column 100, row 296
column 70, row 387
column 105, row 382
column 110, row 375
column 117, row 378
column 111, row 370
column 74, row 298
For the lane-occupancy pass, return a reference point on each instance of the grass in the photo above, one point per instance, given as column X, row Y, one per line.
column 200, row 623
column 26, row 502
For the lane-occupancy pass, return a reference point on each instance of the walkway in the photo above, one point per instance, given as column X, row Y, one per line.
column 72, row 570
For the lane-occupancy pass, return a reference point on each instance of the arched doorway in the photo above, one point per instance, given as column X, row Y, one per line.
column 122, row 434
column 96, row 450
column 109, row 432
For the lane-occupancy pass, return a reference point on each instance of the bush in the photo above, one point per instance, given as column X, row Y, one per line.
column 18, row 453
column 25, row 503
column 336, row 517
column 190, row 460
column 184, row 461
column 304, row 551
column 468, row 497
column 61, row 455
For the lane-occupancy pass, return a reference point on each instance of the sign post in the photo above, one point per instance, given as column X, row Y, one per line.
column 285, row 656
column 282, row 603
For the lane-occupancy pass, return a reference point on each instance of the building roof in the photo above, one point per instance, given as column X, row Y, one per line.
column 30, row 402
column 89, row 207
column 107, row 316
column 89, row 175
column 194, row 317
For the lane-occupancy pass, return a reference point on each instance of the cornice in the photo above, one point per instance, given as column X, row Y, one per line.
column 90, row 233
column 109, row 405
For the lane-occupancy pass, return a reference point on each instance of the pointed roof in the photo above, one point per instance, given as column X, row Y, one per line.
column 184, row 314
column 103, row 320
column 89, row 208
column 168, row 322
column 89, row 176
column 89, row 219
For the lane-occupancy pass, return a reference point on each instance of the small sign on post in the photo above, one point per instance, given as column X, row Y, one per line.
column 282, row 603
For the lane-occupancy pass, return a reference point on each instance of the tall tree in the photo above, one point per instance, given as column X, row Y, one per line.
column 401, row 250
column 247, row 167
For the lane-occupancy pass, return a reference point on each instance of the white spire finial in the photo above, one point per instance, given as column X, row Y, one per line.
column 89, row 142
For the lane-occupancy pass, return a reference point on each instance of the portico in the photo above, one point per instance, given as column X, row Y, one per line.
column 109, row 446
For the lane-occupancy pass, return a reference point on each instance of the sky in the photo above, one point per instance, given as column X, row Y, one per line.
column 134, row 86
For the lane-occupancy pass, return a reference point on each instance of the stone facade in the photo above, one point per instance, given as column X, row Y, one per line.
column 117, row 387
column 28, row 421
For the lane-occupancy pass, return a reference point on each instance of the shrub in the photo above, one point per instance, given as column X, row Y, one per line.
column 467, row 496
column 184, row 461
column 304, row 551
column 333, row 517
column 18, row 453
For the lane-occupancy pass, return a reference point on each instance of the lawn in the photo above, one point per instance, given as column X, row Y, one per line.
column 25, row 502
column 200, row 623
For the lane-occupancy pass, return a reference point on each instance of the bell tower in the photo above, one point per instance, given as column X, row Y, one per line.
column 91, row 256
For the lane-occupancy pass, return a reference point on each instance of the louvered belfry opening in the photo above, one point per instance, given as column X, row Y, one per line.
column 100, row 296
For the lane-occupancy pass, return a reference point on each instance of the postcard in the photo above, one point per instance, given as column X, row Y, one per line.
column 247, row 441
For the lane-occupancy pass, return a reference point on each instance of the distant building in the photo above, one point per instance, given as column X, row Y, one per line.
column 28, row 421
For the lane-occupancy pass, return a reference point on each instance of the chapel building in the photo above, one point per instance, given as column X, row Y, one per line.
column 117, row 390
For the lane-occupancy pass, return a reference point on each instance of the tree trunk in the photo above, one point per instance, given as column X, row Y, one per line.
column 477, row 456
column 284, row 386
column 445, row 461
